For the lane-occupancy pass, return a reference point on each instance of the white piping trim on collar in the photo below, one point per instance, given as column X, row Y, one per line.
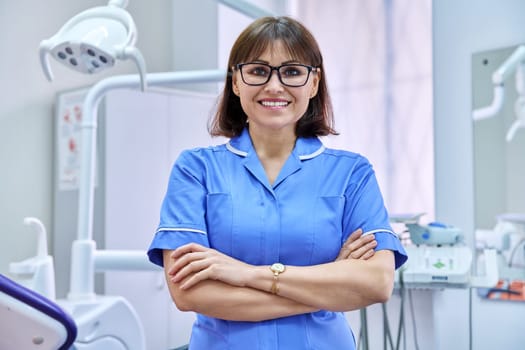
column 313, row 155
column 180, row 229
column 303, row 157
column 235, row 150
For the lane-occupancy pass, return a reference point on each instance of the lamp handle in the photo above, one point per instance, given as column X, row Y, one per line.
column 44, row 59
column 133, row 53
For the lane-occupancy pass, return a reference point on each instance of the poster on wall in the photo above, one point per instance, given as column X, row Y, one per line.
column 68, row 114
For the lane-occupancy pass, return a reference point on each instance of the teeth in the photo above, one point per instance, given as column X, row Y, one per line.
column 274, row 103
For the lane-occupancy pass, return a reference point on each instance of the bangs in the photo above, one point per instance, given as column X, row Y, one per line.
column 293, row 40
column 289, row 47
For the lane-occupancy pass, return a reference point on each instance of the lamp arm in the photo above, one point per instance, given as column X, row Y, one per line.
column 498, row 79
column 84, row 247
column 495, row 106
column 118, row 3
column 512, row 130
column 509, row 65
column 133, row 53
column 123, row 260
column 44, row 59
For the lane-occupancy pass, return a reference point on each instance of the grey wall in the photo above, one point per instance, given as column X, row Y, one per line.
column 499, row 166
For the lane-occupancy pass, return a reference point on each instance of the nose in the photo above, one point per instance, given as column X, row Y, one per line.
column 274, row 83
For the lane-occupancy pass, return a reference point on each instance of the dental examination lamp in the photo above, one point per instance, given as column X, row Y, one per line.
column 515, row 62
column 94, row 40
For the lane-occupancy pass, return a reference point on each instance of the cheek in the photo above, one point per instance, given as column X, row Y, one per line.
column 304, row 100
column 247, row 95
column 247, row 102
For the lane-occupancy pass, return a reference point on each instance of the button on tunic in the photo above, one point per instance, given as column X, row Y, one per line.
column 220, row 197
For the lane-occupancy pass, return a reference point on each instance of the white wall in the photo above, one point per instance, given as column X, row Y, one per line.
column 462, row 28
column 26, row 108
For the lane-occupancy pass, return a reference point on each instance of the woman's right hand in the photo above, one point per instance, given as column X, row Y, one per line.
column 358, row 246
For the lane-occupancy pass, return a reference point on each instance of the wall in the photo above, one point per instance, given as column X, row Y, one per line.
column 461, row 28
column 499, row 165
column 26, row 108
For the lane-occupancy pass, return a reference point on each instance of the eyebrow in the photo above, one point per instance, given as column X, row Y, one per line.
column 268, row 63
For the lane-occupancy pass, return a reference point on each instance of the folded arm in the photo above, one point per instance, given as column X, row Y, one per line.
column 343, row 285
column 206, row 281
column 222, row 300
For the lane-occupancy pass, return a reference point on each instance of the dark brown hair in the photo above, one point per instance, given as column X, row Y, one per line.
column 230, row 119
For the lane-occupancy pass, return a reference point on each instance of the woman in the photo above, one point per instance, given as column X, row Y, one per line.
column 254, row 235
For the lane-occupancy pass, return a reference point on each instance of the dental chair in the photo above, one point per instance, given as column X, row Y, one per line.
column 29, row 320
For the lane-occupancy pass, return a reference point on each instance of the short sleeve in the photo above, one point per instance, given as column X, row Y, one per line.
column 182, row 215
column 390, row 241
column 365, row 209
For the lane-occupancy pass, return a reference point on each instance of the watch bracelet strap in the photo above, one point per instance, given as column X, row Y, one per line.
column 275, row 287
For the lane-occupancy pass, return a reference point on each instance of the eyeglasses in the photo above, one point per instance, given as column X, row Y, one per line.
column 293, row 75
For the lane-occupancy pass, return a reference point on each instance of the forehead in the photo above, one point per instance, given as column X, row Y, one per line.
column 274, row 52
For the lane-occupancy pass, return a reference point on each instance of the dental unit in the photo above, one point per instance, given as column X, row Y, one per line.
column 439, row 258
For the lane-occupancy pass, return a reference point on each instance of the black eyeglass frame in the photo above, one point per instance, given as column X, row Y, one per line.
column 310, row 69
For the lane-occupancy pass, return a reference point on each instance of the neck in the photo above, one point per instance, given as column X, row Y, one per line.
column 278, row 144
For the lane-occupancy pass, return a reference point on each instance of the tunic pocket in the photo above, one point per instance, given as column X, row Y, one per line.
column 219, row 217
column 328, row 225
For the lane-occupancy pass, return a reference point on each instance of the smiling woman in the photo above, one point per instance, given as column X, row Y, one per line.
column 264, row 237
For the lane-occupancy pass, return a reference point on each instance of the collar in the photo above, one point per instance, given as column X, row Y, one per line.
column 305, row 147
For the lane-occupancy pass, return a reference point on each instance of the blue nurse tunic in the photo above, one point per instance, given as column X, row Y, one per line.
column 220, row 197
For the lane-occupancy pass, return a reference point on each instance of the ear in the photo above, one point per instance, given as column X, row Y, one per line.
column 235, row 84
column 315, row 83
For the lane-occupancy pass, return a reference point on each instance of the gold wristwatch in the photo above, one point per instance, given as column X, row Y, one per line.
column 277, row 269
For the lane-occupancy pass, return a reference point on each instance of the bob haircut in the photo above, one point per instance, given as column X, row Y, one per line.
column 230, row 119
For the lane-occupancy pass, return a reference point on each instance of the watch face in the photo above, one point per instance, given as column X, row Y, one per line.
column 278, row 267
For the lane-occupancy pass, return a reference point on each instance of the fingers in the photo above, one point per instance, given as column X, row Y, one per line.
column 358, row 246
column 192, row 274
column 193, row 263
column 354, row 236
column 184, row 259
column 368, row 254
column 364, row 252
column 187, row 248
column 188, row 263
column 346, row 249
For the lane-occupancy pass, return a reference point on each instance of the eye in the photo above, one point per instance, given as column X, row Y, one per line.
column 292, row 71
column 258, row 70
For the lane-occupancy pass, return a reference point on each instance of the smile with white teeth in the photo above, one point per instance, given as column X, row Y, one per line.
column 274, row 103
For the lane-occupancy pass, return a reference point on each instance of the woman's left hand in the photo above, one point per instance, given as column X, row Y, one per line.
column 194, row 263
column 358, row 246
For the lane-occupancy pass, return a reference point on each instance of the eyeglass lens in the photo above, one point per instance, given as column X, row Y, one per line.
column 289, row 74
